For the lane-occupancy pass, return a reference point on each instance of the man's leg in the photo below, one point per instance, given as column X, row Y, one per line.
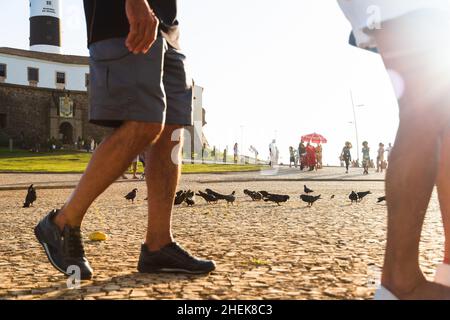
column 443, row 185
column 109, row 161
column 134, row 165
column 162, row 179
column 160, row 253
column 406, row 177
column 410, row 181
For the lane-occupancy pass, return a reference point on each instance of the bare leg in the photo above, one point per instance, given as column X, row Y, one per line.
column 108, row 162
column 134, row 170
column 409, row 181
column 443, row 184
column 406, row 177
column 162, row 179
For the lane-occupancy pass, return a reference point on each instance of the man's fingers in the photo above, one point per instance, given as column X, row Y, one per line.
column 143, row 31
column 145, row 40
column 151, row 37
column 143, row 26
column 132, row 36
column 139, row 36
column 155, row 30
column 153, row 34
column 135, row 36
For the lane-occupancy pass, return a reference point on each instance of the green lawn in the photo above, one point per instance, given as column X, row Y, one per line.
column 66, row 161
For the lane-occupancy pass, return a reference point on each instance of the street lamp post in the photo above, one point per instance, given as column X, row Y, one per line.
column 355, row 122
column 242, row 144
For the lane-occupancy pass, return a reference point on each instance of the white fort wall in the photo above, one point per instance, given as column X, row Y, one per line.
column 17, row 72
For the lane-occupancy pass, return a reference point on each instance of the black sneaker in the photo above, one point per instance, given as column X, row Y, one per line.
column 172, row 258
column 63, row 249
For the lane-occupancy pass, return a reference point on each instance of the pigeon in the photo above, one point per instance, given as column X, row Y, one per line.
column 230, row 198
column 381, row 199
column 219, row 196
column 132, row 195
column 189, row 194
column 256, row 196
column 31, row 197
column 333, row 196
column 179, row 198
column 309, row 199
column 179, row 193
column 362, row 195
column 189, row 201
column 353, row 197
column 307, row 190
column 277, row 198
column 207, row 197
column 265, row 194
column 189, row 198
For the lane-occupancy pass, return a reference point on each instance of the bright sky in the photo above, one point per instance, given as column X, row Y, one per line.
column 270, row 70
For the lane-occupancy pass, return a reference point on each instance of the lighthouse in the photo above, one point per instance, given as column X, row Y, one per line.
column 45, row 26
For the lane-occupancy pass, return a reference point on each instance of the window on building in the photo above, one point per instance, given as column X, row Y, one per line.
column 2, row 120
column 86, row 80
column 60, row 78
column 33, row 74
column 49, row 3
column 3, row 70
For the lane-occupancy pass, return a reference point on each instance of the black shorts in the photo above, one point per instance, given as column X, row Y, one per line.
column 152, row 87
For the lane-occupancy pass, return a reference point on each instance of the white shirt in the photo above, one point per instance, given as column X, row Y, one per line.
column 388, row 150
column 367, row 15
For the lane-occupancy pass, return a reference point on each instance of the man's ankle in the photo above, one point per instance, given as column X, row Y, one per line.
column 153, row 246
column 402, row 281
column 61, row 220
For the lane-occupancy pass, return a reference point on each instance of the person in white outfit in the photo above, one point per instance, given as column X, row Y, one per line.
column 273, row 153
column 413, row 38
column 388, row 150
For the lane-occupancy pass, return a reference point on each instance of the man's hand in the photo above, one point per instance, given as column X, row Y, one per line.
column 143, row 26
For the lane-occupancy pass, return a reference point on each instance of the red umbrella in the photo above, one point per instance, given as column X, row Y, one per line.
column 314, row 138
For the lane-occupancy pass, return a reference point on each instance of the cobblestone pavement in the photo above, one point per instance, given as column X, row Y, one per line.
column 282, row 174
column 263, row 251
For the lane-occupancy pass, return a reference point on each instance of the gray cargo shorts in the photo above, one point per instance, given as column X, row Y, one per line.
column 151, row 87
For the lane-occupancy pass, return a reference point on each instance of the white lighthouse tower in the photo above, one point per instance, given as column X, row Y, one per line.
column 45, row 26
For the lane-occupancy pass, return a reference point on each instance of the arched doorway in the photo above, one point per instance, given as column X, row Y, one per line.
column 66, row 131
